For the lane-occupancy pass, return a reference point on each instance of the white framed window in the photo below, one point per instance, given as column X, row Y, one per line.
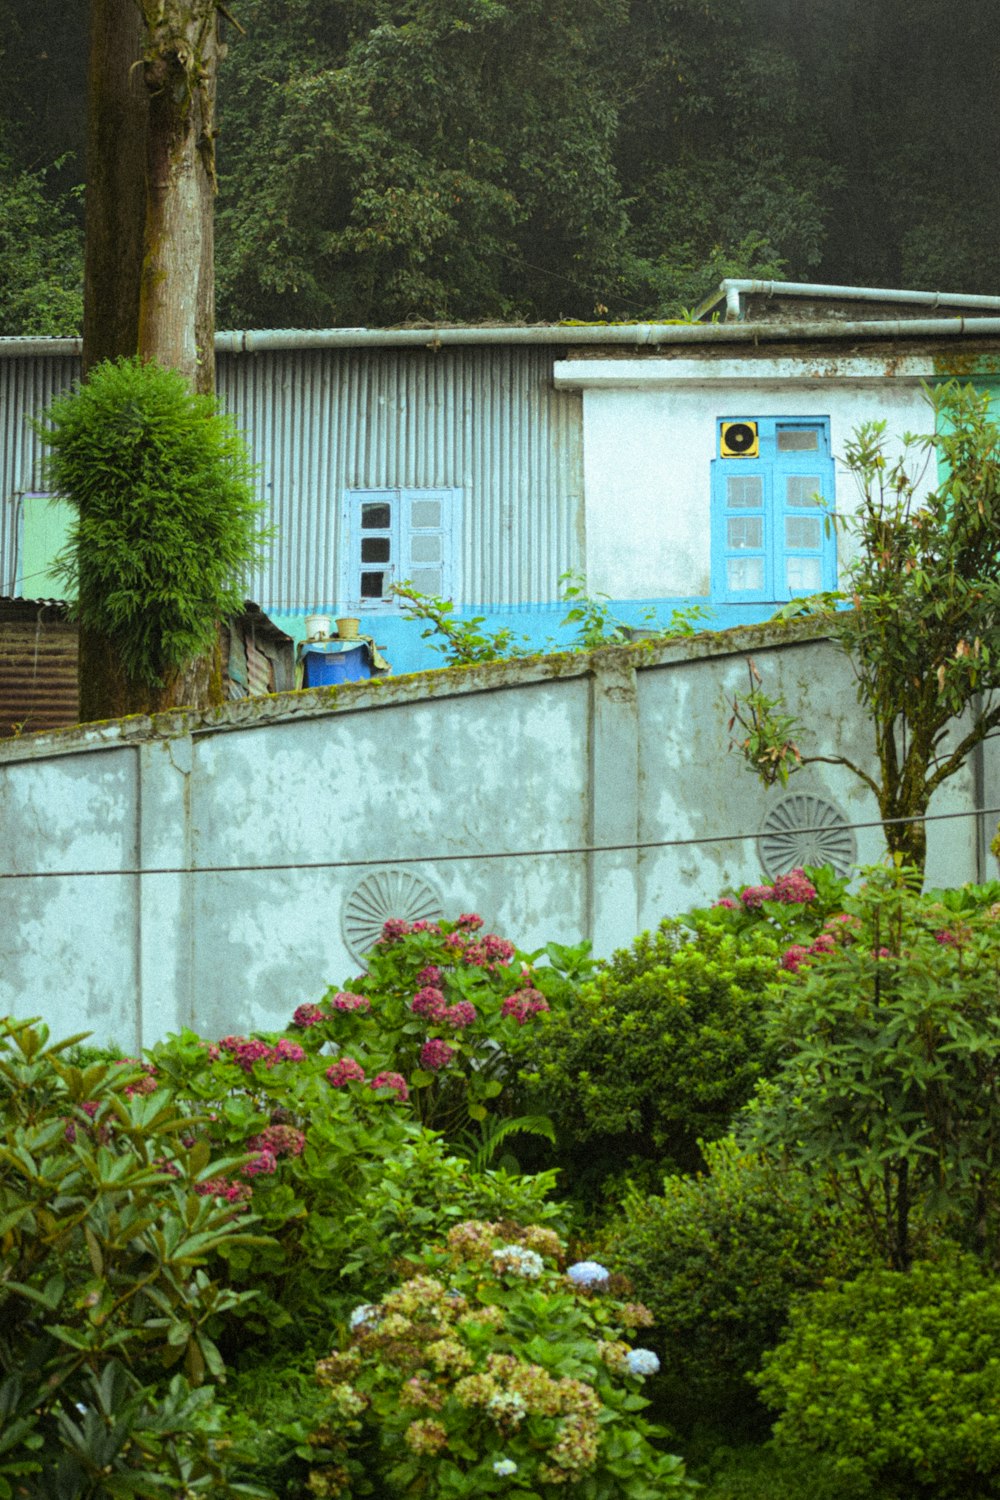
column 395, row 536
column 772, row 490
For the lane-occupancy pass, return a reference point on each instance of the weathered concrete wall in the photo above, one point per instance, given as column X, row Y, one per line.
column 235, row 840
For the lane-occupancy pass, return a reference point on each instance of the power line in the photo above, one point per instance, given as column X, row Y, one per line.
column 441, row 859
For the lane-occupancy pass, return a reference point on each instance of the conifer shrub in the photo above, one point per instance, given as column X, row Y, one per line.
column 166, row 526
column 657, row 1051
column 719, row 1258
column 895, row 1378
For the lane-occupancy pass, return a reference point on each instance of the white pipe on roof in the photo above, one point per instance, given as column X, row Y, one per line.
column 733, row 288
column 265, row 340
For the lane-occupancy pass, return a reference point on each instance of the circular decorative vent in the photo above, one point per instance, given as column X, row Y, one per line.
column 805, row 830
column 390, row 892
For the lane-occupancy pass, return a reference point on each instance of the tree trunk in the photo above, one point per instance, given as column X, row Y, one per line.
column 149, row 257
column 177, row 300
column 117, row 111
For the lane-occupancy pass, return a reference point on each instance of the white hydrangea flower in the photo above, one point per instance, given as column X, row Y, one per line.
column 587, row 1273
column 367, row 1315
column 504, row 1467
column 519, row 1261
column 642, row 1362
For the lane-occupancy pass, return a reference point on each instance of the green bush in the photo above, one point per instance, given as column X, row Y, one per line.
column 656, row 1052
column 718, row 1259
column 108, row 1224
column 489, row 1372
column 166, row 526
column 890, row 1070
column 896, row 1377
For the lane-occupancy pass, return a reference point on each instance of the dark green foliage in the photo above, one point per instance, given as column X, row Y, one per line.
column 718, row 1259
column 41, row 255
column 166, row 531
column 890, row 1077
column 105, row 1290
column 658, row 1051
column 896, row 1378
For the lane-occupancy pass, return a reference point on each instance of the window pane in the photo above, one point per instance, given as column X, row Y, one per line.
column 427, row 580
column 802, row 489
column 798, row 439
column 745, row 572
column 802, row 531
column 745, row 531
column 426, row 549
column 374, row 549
column 804, row 575
column 376, row 517
column 745, row 490
column 425, row 513
column 373, row 585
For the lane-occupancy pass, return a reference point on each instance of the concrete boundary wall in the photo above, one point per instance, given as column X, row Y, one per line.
column 209, row 869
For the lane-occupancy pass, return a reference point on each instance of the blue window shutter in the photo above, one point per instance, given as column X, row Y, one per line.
column 393, row 535
column 769, row 536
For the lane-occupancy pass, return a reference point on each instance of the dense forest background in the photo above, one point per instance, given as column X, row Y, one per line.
column 392, row 160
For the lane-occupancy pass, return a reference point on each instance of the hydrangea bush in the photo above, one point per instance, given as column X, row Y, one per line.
column 335, row 1167
column 437, row 1016
column 491, row 1371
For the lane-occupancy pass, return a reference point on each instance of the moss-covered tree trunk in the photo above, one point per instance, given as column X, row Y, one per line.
column 177, row 300
column 149, row 279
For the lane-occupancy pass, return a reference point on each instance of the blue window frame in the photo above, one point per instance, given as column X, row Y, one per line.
column 393, row 535
column 771, row 540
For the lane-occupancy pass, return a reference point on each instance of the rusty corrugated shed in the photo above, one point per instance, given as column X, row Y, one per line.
column 38, row 666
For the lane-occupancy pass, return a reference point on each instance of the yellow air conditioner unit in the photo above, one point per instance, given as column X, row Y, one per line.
column 739, row 440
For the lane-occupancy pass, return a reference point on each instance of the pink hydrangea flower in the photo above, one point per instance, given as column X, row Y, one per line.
column 345, row 1070
column 431, row 975
column 145, row 1085
column 307, row 1015
column 524, row 1004
column 220, row 1187
column 435, row 1054
column 945, row 938
column 754, row 896
column 795, row 887
column 430, row 1003
column 423, row 925
column 727, row 902
column 394, row 1081
column 825, row 942
column 793, row 957
column 345, row 1000
column 262, row 1164
column 394, row 929
column 460, row 1015
column 286, row 1051
column 280, row 1140
column 471, row 920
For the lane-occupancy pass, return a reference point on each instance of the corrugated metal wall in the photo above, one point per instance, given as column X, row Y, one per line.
column 485, row 419
column 27, row 385
column 38, row 667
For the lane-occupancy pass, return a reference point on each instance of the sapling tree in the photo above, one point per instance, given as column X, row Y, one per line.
column 922, row 627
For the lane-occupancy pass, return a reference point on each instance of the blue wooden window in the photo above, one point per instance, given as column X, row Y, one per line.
column 394, row 535
column 770, row 537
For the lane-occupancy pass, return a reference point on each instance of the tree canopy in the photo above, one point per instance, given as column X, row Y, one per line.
column 386, row 160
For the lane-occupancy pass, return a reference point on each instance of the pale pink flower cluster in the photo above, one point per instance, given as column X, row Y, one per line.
column 792, row 889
